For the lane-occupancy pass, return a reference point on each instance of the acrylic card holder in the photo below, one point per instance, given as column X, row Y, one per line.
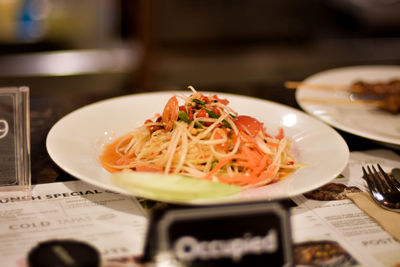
column 15, row 168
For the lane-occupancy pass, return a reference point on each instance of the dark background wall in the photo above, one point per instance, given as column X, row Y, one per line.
column 59, row 46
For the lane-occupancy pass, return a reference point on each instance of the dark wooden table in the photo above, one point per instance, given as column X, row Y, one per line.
column 47, row 110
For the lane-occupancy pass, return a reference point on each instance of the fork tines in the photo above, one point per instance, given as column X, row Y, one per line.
column 383, row 188
column 383, row 181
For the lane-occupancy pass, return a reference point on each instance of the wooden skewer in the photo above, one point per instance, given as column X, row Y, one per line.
column 372, row 103
column 295, row 85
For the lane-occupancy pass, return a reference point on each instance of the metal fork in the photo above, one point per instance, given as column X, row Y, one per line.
column 384, row 189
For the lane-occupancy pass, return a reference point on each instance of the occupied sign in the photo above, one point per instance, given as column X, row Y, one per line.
column 252, row 234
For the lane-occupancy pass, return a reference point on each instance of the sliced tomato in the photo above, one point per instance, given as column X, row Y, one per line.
column 248, row 124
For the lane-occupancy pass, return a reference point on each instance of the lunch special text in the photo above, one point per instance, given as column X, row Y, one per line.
column 55, row 195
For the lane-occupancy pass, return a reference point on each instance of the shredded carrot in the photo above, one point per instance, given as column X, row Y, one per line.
column 272, row 144
column 251, row 159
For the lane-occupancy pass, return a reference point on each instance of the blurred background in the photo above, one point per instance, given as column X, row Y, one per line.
column 240, row 46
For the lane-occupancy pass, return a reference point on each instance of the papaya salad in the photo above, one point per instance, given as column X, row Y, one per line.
column 202, row 137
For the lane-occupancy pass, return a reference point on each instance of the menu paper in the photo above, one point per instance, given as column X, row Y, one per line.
column 113, row 223
column 338, row 223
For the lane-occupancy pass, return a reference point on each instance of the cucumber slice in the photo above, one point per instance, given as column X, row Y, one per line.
column 171, row 188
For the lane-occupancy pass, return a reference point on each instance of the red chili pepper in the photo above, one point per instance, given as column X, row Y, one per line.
column 205, row 99
column 202, row 113
column 222, row 101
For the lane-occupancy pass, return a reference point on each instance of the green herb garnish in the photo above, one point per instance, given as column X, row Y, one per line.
column 198, row 124
column 211, row 114
column 215, row 116
column 198, row 101
column 183, row 116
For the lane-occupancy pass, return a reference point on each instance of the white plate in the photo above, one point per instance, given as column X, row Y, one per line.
column 365, row 121
column 76, row 140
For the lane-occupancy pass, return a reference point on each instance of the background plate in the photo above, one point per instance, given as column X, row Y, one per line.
column 361, row 120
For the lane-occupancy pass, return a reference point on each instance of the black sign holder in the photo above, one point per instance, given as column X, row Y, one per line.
column 15, row 167
column 246, row 234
